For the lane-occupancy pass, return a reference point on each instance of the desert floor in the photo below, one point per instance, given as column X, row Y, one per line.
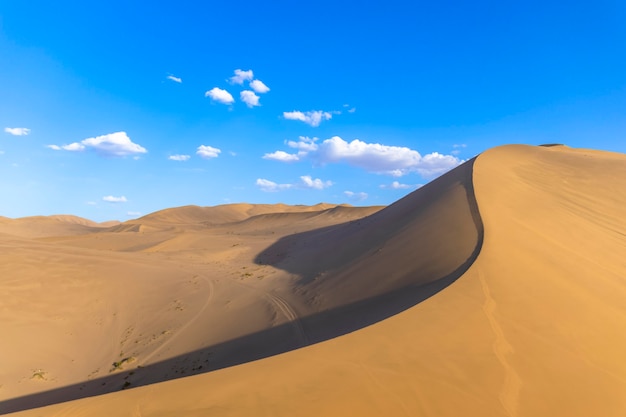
column 498, row 289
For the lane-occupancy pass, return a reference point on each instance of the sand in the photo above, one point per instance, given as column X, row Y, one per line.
column 498, row 289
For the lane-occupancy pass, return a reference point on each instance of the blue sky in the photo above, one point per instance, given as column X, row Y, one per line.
column 112, row 111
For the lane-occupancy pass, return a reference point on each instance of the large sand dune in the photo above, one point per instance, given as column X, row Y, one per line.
column 498, row 289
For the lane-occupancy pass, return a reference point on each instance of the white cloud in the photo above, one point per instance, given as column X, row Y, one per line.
column 178, row 157
column 271, row 186
column 457, row 148
column 112, row 199
column 352, row 110
column 112, row 144
column 281, row 156
column 306, row 182
column 384, row 159
column 249, row 98
column 317, row 184
column 304, row 144
column 17, row 131
column 241, row 76
column 259, row 86
column 91, row 203
column 356, row 196
column 219, row 95
column 312, row 118
column 133, row 213
column 207, row 152
column 175, row 79
column 397, row 186
column 373, row 157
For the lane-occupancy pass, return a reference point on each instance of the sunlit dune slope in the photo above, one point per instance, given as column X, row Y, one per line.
column 534, row 326
column 43, row 226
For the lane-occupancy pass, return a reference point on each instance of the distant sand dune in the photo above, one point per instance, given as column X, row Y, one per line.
column 496, row 290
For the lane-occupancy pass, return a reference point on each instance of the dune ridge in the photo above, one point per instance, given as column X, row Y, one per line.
column 518, row 312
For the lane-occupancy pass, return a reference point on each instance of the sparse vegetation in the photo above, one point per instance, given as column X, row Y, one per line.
column 119, row 365
column 38, row 374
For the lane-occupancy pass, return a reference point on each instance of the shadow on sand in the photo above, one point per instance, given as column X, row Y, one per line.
column 320, row 326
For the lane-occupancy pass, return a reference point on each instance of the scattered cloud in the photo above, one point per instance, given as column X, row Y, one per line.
column 399, row 186
column 17, row 131
column 175, row 79
column 181, row 158
column 241, row 76
column 249, row 98
column 306, row 182
column 312, row 118
column 133, row 213
column 352, row 110
column 383, row 159
column 457, row 148
column 91, row 203
column 317, row 184
column 304, row 144
column 270, row 186
column 259, row 86
column 219, row 95
column 116, row 144
column 208, row 152
column 281, row 156
column 373, row 157
column 112, row 199
column 356, row 196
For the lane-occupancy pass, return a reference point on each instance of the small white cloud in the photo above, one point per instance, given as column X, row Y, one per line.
column 91, row 203
column 219, row 95
column 317, row 184
column 259, row 86
column 241, row 76
column 175, row 79
column 312, row 118
column 281, row 156
column 457, row 148
column 17, row 131
column 76, row 146
column 271, row 186
column 112, row 199
column 207, row 152
column 352, row 110
column 133, row 213
column 397, row 186
column 181, row 158
column 306, row 182
column 304, row 144
column 249, row 98
column 356, row 196
column 116, row 144
column 231, row 153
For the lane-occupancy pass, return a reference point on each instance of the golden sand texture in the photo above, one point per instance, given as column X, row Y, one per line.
column 519, row 311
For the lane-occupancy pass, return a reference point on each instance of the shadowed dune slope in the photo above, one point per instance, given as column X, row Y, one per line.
column 426, row 236
column 534, row 326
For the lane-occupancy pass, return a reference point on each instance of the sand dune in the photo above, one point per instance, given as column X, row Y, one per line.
column 496, row 290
